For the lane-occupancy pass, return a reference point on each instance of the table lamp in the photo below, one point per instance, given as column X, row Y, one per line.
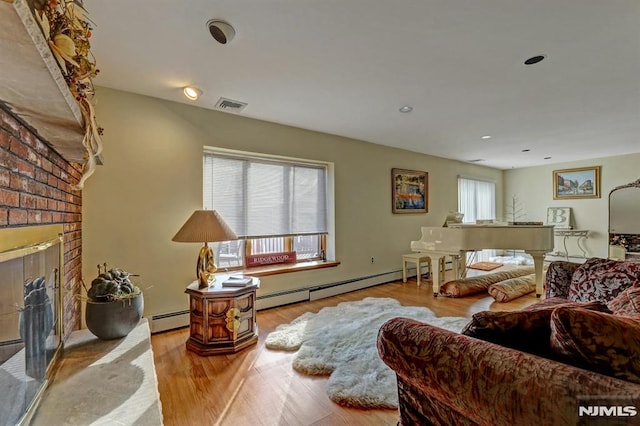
column 205, row 226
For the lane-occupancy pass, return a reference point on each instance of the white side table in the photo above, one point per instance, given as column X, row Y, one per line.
column 581, row 235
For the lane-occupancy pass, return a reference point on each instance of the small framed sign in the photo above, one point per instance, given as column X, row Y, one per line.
column 271, row 258
column 560, row 217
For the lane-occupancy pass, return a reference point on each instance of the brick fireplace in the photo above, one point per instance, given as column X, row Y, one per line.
column 36, row 189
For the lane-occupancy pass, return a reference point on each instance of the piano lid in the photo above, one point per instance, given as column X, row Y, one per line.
column 464, row 236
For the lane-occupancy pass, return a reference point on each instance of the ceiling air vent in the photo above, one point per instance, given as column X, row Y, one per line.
column 230, row 105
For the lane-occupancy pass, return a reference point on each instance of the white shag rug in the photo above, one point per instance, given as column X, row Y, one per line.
column 341, row 341
column 513, row 260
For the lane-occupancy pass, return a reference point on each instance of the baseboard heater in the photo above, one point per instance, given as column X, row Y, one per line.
column 325, row 290
column 164, row 322
column 169, row 321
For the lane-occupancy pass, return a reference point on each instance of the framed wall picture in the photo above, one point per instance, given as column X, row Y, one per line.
column 583, row 182
column 409, row 189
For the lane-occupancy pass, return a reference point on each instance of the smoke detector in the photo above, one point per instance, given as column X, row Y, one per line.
column 230, row 105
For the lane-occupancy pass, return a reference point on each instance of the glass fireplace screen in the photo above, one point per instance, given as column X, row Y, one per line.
column 30, row 329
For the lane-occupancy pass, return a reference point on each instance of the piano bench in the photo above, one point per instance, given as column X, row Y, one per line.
column 419, row 259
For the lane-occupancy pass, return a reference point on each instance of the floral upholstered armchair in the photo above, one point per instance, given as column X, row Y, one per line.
column 534, row 366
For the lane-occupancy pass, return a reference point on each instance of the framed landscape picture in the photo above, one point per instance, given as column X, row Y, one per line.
column 409, row 189
column 583, row 182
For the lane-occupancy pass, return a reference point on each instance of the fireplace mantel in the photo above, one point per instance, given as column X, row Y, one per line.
column 32, row 86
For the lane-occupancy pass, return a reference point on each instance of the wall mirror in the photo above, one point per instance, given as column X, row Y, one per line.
column 624, row 222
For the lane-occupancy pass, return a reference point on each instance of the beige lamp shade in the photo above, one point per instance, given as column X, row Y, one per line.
column 204, row 226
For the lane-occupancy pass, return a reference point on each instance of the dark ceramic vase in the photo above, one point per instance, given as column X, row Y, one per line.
column 112, row 320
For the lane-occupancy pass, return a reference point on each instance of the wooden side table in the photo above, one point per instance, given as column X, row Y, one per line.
column 222, row 319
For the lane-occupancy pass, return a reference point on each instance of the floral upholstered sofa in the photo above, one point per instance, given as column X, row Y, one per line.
column 580, row 346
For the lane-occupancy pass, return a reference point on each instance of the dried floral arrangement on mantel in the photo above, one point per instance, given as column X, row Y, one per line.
column 67, row 29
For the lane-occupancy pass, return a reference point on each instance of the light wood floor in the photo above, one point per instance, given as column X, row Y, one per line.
column 258, row 386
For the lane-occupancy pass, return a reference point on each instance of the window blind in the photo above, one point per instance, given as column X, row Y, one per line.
column 261, row 198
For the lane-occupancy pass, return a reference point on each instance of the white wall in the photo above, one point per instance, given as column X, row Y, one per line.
column 152, row 181
column 533, row 187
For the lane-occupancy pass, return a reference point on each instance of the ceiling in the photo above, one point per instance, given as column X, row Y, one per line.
column 345, row 67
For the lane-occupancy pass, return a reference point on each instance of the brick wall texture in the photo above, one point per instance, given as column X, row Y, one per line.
column 36, row 189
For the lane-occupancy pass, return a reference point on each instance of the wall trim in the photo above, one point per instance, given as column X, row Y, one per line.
column 178, row 319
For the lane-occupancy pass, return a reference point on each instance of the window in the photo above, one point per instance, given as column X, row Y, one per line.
column 476, row 199
column 273, row 204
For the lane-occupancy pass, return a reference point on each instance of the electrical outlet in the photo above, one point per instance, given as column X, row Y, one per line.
column 372, row 260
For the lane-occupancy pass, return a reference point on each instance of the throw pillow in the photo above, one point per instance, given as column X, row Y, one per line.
column 628, row 302
column 602, row 279
column 550, row 302
column 558, row 278
column 513, row 288
column 597, row 341
column 528, row 330
column 472, row 285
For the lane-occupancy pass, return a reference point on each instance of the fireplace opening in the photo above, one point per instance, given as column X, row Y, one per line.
column 30, row 318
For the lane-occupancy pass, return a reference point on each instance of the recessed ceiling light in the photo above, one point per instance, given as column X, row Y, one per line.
column 486, row 137
column 526, row 150
column 534, row 59
column 221, row 31
column 406, row 109
column 192, row 93
column 547, row 158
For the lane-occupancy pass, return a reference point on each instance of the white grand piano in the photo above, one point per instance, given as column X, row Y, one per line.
column 457, row 239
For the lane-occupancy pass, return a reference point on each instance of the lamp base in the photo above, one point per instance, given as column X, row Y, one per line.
column 205, row 268
column 206, row 280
